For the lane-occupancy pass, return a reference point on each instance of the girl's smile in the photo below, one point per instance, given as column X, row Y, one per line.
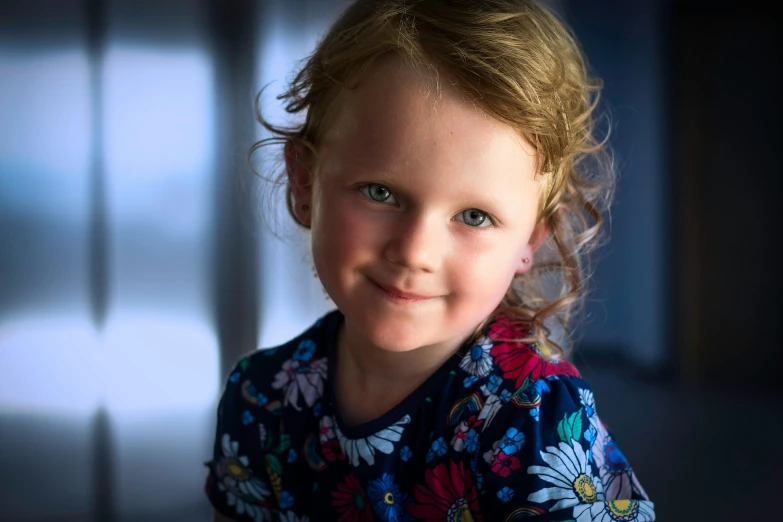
column 399, row 295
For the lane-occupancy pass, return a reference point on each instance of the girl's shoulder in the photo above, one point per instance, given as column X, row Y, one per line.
column 504, row 382
column 527, row 423
column 498, row 362
column 266, row 377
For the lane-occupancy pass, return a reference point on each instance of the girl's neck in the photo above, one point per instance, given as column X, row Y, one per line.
column 370, row 381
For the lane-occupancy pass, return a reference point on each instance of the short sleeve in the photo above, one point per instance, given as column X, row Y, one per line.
column 233, row 486
column 547, row 455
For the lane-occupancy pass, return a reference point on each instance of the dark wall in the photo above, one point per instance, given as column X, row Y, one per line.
column 688, row 284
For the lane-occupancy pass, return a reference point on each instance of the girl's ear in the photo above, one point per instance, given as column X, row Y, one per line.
column 537, row 239
column 299, row 182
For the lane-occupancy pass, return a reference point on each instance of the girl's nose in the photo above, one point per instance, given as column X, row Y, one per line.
column 417, row 243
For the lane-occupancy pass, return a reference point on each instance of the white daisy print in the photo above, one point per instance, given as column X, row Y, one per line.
column 305, row 377
column 262, row 435
column 588, row 401
column 618, row 478
column 489, row 456
column 490, row 409
column 615, row 510
column 365, row 448
column 478, row 361
column 290, row 516
column 243, row 490
column 571, row 475
column 326, row 432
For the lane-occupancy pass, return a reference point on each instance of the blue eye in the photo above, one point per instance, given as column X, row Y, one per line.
column 378, row 193
column 474, row 218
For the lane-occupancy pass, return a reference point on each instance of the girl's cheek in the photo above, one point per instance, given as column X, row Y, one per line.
column 346, row 226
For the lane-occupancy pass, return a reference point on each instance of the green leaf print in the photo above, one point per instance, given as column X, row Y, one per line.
column 274, row 464
column 243, row 364
column 283, row 445
column 570, row 427
column 576, row 424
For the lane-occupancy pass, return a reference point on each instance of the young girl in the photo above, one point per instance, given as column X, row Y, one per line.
column 448, row 171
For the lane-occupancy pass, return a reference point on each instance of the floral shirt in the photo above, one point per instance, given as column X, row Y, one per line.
column 496, row 434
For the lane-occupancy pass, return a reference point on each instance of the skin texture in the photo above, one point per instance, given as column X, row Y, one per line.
column 402, row 173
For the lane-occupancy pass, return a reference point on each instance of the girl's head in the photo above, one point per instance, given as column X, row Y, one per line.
column 443, row 143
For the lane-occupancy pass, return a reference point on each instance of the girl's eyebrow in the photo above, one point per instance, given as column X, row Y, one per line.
column 357, row 169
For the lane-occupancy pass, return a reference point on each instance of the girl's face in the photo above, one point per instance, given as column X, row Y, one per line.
column 421, row 213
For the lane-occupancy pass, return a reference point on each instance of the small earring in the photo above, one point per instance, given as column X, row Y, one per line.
column 526, row 260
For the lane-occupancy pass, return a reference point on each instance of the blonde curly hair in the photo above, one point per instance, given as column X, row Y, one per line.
column 520, row 64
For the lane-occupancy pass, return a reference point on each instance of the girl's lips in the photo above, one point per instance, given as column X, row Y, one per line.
column 399, row 294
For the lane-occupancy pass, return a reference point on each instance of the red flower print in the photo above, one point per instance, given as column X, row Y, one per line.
column 502, row 329
column 351, row 501
column 473, row 423
column 332, row 450
column 504, row 464
column 518, row 361
column 448, row 494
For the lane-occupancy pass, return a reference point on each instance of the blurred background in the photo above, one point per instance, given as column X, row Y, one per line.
column 136, row 266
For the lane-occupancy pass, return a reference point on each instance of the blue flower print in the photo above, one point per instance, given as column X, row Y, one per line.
column 506, row 494
column 317, row 407
column 469, row 380
column 534, row 413
column 476, row 472
column 405, row 453
column 494, row 383
column 512, row 441
column 235, row 377
column 614, row 457
column 438, row 449
column 471, row 441
column 386, row 499
column 247, row 417
column 541, row 386
column 305, row 351
column 591, row 434
column 505, row 396
column 286, row 500
column 291, row 455
column 261, row 398
column 250, row 388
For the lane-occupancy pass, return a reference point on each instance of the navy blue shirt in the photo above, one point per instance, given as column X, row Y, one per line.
column 496, row 433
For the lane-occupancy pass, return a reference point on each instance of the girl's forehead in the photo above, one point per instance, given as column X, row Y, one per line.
column 397, row 106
